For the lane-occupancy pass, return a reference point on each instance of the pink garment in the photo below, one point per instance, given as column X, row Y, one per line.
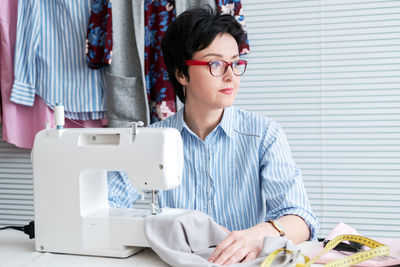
column 21, row 123
column 344, row 229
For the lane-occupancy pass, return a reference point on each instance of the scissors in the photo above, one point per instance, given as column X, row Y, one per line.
column 350, row 247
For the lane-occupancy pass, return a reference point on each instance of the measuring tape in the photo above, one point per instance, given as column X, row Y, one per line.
column 377, row 249
column 271, row 257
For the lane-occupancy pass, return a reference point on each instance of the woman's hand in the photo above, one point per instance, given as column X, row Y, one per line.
column 242, row 246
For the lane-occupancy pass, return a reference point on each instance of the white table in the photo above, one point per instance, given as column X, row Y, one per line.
column 17, row 250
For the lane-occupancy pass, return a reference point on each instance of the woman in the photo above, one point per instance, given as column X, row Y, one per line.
column 238, row 168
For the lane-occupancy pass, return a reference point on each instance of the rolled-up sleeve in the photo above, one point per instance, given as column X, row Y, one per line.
column 121, row 193
column 282, row 185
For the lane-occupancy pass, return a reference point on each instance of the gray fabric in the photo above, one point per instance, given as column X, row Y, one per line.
column 189, row 238
column 125, row 80
column 182, row 5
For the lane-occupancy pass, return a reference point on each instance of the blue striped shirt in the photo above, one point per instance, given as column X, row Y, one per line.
column 242, row 174
column 50, row 58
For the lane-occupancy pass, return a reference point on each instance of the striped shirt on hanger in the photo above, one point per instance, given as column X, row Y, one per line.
column 242, row 174
column 50, row 58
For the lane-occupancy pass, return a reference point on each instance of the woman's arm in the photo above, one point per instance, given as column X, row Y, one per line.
column 296, row 228
column 245, row 245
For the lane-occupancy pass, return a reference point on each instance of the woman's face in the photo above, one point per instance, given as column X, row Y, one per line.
column 207, row 91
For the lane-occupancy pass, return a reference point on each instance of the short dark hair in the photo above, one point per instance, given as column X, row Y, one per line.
column 192, row 31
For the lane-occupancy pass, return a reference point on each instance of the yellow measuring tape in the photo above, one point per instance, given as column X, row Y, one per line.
column 376, row 249
column 271, row 257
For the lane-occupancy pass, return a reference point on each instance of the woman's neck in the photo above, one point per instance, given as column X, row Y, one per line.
column 202, row 121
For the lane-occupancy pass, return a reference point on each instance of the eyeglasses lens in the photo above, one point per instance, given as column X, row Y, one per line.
column 218, row 68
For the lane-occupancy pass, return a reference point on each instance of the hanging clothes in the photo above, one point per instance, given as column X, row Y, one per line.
column 21, row 123
column 8, row 25
column 99, row 36
column 161, row 96
column 50, row 58
column 126, row 91
column 234, row 8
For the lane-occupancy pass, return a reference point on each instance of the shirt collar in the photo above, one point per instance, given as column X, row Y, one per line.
column 180, row 123
column 226, row 123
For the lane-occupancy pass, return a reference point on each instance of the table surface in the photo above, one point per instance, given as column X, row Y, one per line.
column 17, row 250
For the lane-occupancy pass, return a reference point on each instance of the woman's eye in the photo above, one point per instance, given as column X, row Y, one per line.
column 215, row 64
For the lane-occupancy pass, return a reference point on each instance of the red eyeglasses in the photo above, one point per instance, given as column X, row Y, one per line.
column 219, row 67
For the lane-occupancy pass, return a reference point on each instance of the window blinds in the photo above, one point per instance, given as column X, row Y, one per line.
column 329, row 72
column 16, row 185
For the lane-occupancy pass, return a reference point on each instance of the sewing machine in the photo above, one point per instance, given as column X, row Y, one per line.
column 72, row 214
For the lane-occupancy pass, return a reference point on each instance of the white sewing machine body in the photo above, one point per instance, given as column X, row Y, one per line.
column 72, row 214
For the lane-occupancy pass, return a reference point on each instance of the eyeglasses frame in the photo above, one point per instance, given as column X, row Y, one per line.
column 190, row 62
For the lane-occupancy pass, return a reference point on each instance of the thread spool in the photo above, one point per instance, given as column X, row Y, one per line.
column 59, row 120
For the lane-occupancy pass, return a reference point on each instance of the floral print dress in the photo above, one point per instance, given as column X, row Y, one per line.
column 158, row 15
column 99, row 35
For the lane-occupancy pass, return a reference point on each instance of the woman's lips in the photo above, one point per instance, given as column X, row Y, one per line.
column 227, row 91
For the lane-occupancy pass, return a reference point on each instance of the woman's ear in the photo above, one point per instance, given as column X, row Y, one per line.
column 182, row 79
